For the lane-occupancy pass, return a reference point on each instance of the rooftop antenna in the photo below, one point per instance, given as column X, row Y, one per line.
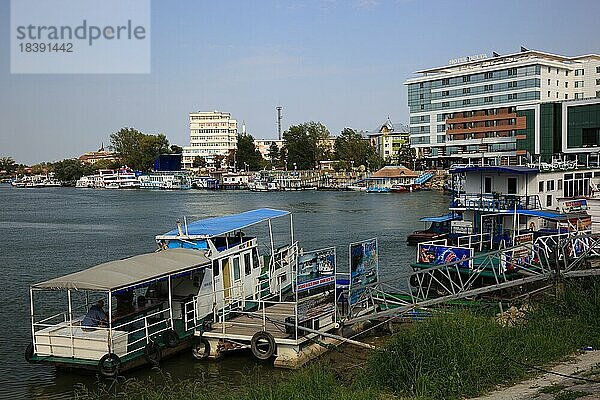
column 279, row 117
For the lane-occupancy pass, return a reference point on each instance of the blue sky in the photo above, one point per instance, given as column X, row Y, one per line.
column 339, row 62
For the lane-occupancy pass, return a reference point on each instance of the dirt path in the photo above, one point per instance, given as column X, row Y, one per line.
column 551, row 386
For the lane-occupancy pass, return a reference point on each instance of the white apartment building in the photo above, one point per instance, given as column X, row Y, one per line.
column 212, row 133
column 467, row 111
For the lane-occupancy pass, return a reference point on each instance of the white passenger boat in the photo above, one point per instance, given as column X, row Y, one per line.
column 166, row 181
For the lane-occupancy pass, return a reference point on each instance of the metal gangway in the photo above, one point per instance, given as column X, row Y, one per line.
column 547, row 258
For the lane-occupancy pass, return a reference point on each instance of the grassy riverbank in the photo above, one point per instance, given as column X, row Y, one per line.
column 461, row 353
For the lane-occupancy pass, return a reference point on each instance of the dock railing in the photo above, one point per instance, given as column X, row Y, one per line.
column 496, row 202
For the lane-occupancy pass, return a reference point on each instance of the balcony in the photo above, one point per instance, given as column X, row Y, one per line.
column 495, row 202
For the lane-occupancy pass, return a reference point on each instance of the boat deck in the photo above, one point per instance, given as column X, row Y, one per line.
column 272, row 320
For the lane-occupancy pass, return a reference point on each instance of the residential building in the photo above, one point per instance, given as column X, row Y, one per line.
column 263, row 145
column 388, row 139
column 212, row 133
column 467, row 111
column 92, row 157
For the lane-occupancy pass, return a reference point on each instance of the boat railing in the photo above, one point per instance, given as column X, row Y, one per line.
column 279, row 314
column 68, row 338
column 496, row 201
column 476, row 241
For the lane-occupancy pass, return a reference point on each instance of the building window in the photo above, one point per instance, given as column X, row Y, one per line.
column 512, row 72
column 598, row 94
column 557, row 83
column 421, row 85
column 422, row 118
column 445, row 93
column 466, row 90
column 549, row 200
column 578, row 84
column 548, row 93
column 548, row 82
column 513, row 96
column 566, row 96
column 559, row 184
column 488, row 75
column 549, row 186
column 421, row 96
column 513, row 84
column 598, row 70
column 488, row 87
column 488, row 99
column 598, row 81
column 549, row 69
column 579, row 72
column 422, row 106
column 541, row 186
column 566, row 84
column 466, row 101
column 467, row 78
column 566, row 72
column 445, row 104
column 578, row 95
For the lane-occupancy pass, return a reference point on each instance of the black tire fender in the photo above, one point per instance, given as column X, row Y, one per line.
column 29, row 353
column 170, row 338
column 201, row 348
column 153, row 353
column 109, row 365
column 263, row 345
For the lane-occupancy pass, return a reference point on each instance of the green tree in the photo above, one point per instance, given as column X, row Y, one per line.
column 69, row 170
column 219, row 161
column 42, row 168
column 104, row 164
column 302, row 144
column 352, row 148
column 407, row 156
column 199, row 162
column 8, row 164
column 138, row 150
column 248, row 155
column 176, row 149
column 274, row 154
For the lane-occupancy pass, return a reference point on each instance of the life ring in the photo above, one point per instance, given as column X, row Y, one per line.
column 263, row 345
column 109, row 365
column 201, row 348
column 532, row 226
column 152, row 353
column 29, row 353
column 170, row 338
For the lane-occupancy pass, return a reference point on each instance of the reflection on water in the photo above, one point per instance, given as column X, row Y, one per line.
column 55, row 231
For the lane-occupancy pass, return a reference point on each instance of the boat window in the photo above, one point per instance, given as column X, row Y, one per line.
column 487, row 184
column 236, row 269
column 247, row 264
column 512, row 186
column 215, row 268
column 587, row 175
column 255, row 262
column 568, row 177
column 549, row 200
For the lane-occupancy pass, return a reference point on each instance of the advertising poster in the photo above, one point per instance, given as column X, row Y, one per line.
column 512, row 259
column 439, row 255
column 316, row 268
column 364, row 267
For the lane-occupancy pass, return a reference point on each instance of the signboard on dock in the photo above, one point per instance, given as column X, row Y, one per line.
column 364, row 267
column 316, row 268
column 439, row 255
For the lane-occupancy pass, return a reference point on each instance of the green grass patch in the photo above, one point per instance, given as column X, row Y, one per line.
column 555, row 388
column 570, row 395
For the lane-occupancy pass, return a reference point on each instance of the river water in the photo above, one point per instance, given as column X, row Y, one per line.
column 50, row 232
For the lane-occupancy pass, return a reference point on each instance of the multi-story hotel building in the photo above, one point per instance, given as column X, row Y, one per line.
column 472, row 110
column 263, row 146
column 212, row 133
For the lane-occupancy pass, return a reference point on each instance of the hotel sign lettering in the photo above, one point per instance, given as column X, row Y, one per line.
column 461, row 60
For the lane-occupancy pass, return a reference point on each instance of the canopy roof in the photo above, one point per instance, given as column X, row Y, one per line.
column 210, row 227
column 130, row 271
column 550, row 215
column 509, row 169
column 441, row 218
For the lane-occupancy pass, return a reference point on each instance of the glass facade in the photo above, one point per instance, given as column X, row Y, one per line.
column 583, row 126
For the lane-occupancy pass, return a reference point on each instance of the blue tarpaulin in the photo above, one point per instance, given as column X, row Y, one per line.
column 210, row 227
column 441, row 218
